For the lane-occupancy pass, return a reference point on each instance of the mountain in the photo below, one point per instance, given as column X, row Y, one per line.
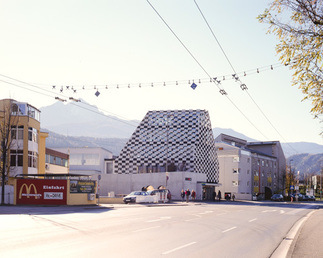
column 114, row 145
column 217, row 131
column 301, row 147
column 306, row 163
column 83, row 119
column 87, row 125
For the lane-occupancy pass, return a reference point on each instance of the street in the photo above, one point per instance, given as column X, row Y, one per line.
column 194, row 230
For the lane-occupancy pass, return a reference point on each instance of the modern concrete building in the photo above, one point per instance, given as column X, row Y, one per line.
column 173, row 149
column 91, row 161
column 249, row 169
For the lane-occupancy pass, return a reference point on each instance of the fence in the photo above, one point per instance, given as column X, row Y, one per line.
column 8, row 194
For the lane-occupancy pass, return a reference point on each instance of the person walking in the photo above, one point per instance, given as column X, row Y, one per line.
column 219, row 195
column 193, row 194
column 182, row 195
column 187, row 193
column 233, row 197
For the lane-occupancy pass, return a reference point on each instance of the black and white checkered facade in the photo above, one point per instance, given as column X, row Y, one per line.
column 181, row 139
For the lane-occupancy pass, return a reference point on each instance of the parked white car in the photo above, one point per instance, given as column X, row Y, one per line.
column 140, row 197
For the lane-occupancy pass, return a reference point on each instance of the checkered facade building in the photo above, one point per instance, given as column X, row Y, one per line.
column 182, row 140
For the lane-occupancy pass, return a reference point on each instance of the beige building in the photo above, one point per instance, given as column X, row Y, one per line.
column 35, row 174
column 25, row 143
column 249, row 169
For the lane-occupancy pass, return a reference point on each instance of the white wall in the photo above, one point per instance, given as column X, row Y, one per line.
column 8, row 194
column 122, row 184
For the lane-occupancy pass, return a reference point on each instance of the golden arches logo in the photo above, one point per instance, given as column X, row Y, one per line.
column 28, row 190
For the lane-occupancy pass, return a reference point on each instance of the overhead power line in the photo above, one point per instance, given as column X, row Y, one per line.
column 222, row 91
column 79, row 104
column 243, row 88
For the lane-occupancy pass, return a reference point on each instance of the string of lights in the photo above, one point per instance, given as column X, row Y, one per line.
column 112, row 86
column 63, row 98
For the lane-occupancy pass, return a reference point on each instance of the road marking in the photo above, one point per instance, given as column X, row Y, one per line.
column 144, row 229
column 252, row 220
column 269, row 211
column 187, row 220
column 178, row 248
column 282, row 212
column 221, row 214
column 160, row 219
column 229, row 229
column 206, row 212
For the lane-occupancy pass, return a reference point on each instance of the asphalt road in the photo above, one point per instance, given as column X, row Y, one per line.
column 203, row 230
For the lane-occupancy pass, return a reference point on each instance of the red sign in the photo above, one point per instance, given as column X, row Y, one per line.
column 41, row 191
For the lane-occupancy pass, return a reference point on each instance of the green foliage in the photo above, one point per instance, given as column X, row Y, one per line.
column 301, row 41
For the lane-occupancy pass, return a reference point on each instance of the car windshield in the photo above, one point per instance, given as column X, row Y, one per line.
column 137, row 193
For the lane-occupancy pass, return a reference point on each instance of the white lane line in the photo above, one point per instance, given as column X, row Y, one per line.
column 191, row 219
column 229, row 229
column 178, row 248
column 269, row 211
column 252, row 220
column 160, row 219
column 282, row 212
column 144, row 229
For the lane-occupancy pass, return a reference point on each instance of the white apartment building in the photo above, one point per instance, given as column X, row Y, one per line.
column 247, row 172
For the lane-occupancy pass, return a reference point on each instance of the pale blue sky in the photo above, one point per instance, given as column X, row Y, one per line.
column 109, row 42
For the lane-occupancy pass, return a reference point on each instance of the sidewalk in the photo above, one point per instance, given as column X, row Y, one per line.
column 309, row 241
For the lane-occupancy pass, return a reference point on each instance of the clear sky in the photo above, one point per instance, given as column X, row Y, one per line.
column 94, row 44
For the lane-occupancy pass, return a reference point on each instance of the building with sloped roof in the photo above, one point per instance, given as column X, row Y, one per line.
column 173, row 149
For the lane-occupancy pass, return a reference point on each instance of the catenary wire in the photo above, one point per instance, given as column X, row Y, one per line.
column 72, row 103
column 212, row 32
column 204, row 68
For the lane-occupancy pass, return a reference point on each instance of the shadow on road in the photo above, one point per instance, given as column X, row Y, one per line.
column 50, row 210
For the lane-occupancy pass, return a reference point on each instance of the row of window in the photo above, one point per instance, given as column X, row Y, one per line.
column 17, row 133
column 255, row 183
column 23, row 109
column 256, row 173
column 16, row 158
column 266, row 163
column 56, row 160
column 85, row 159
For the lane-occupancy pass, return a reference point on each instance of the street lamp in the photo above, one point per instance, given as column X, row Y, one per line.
column 290, row 176
column 167, row 136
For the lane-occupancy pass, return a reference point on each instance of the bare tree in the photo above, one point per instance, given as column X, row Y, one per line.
column 7, row 121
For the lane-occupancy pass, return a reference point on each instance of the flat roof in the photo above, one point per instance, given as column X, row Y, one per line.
column 51, row 175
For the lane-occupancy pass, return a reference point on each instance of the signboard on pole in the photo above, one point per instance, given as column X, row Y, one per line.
column 77, row 186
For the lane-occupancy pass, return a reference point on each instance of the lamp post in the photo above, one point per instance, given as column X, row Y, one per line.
column 321, row 183
column 167, row 137
column 290, row 175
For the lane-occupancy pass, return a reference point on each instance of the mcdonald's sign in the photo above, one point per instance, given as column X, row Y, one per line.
column 41, row 191
column 28, row 193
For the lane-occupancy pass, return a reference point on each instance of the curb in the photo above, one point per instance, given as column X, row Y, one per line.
column 286, row 247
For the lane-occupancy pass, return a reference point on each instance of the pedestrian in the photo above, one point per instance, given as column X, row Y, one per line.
column 214, row 196
column 219, row 195
column 233, row 197
column 187, row 193
column 193, row 194
column 182, row 195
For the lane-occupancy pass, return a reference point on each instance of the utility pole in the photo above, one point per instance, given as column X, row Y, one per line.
column 321, row 183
